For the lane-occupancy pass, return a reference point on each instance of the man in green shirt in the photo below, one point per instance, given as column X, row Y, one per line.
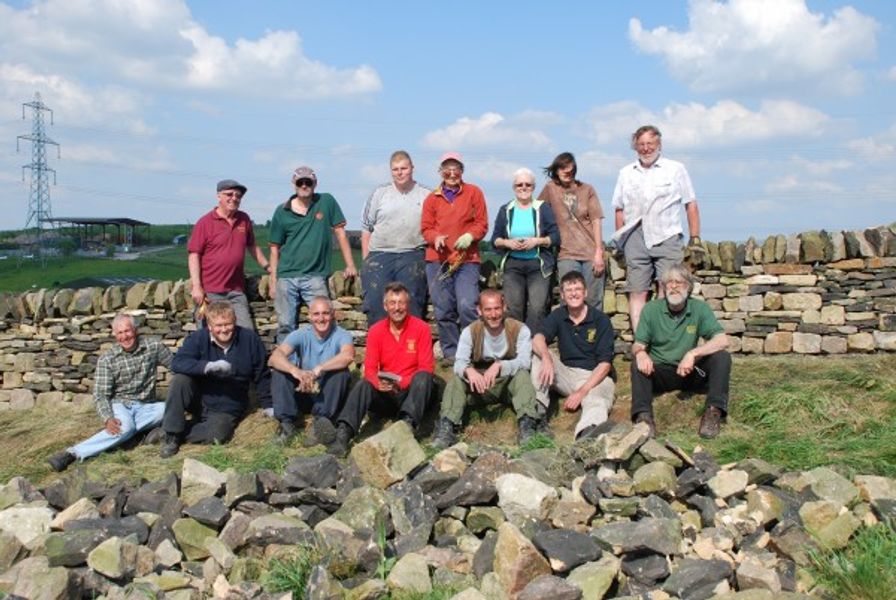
column 668, row 354
column 301, row 229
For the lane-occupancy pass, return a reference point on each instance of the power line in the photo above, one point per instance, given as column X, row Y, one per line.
column 39, row 210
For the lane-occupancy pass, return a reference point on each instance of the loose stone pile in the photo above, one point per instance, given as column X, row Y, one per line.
column 618, row 516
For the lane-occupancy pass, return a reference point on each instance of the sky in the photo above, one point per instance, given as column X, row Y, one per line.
column 783, row 111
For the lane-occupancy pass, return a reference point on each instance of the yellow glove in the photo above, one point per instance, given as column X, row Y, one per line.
column 464, row 241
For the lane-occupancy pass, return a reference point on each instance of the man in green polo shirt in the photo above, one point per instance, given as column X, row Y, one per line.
column 301, row 229
column 668, row 354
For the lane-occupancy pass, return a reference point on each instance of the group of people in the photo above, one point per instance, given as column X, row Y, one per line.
column 415, row 243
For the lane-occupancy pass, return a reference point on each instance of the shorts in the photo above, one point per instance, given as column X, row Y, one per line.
column 645, row 265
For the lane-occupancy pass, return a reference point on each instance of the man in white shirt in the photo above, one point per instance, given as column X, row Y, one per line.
column 648, row 198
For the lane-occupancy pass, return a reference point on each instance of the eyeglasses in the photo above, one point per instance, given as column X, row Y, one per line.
column 304, row 183
column 676, row 283
column 524, row 185
column 452, row 170
column 231, row 194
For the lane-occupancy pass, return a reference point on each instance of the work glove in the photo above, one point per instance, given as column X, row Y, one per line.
column 220, row 368
column 464, row 241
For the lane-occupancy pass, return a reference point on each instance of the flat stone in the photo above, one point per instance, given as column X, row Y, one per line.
column 37, row 580
column 240, row 486
column 26, row 523
column 566, row 549
column 751, row 574
column 167, row 554
column 278, row 528
column 410, row 574
column 655, row 478
column 388, row 456
column 549, row 586
column 522, row 497
column 70, row 548
column 10, row 547
column 517, row 560
column 779, row 342
column 697, row 578
column 484, row 518
column 220, row 552
column 83, row 508
column 115, row 558
column 662, row 536
column 827, row 484
column 364, row 508
column 198, row 481
column 477, row 484
column 725, row 484
column 191, row 535
column 595, row 578
column 829, row 523
column 320, row 471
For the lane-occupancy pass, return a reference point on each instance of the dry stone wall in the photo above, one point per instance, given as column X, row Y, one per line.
column 811, row 293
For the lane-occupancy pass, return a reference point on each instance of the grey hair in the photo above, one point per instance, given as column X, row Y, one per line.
column 323, row 299
column 121, row 317
column 679, row 271
column 523, row 172
column 645, row 129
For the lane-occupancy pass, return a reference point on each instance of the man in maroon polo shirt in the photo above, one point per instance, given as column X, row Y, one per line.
column 217, row 249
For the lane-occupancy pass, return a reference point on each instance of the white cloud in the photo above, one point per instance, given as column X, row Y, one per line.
column 156, row 43
column 594, row 163
column 821, row 167
column 873, row 149
column 488, row 130
column 748, row 45
column 696, row 125
column 890, row 74
column 800, row 185
column 148, row 160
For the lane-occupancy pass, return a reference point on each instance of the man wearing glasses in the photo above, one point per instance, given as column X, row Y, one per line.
column 217, row 249
column 301, row 229
column 668, row 354
column 454, row 221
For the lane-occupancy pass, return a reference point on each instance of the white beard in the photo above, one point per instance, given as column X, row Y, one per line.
column 648, row 159
column 676, row 299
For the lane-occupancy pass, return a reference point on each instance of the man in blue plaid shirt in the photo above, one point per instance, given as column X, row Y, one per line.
column 124, row 392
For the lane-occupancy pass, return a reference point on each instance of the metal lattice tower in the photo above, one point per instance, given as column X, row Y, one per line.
column 39, row 210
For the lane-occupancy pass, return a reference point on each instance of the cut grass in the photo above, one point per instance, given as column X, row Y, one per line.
column 796, row 412
column 864, row 570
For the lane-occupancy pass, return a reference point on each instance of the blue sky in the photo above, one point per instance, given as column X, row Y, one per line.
column 784, row 111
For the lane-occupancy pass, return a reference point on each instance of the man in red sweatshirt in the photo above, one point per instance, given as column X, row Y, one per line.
column 454, row 221
column 398, row 370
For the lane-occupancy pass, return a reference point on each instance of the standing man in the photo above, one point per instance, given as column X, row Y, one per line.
column 217, row 249
column 648, row 198
column 391, row 243
column 398, row 370
column 669, row 356
column 310, row 367
column 493, row 358
column 124, row 392
column 301, row 229
column 583, row 369
column 455, row 219
column 213, row 369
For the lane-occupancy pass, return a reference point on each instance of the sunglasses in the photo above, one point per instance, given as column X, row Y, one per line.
column 304, row 183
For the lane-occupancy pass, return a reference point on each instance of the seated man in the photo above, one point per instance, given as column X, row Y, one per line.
column 668, row 355
column 492, row 363
column 310, row 367
column 583, row 370
column 213, row 369
column 398, row 370
column 124, row 391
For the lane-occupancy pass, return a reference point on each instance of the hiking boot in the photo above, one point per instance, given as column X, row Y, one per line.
column 594, row 431
column 322, row 431
column 527, row 427
column 339, row 447
column 646, row 417
column 155, row 436
column 445, row 434
column 711, row 422
column 171, row 445
column 285, row 432
column 61, row 460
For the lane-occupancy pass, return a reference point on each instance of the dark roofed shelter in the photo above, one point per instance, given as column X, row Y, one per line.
column 125, row 228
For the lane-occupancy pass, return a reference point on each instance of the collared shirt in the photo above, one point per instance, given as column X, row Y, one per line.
column 304, row 240
column 405, row 356
column 310, row 350
column 668, row 337
column 653, row 196
column 583, row 346
column 221, row 246
column 128, row 377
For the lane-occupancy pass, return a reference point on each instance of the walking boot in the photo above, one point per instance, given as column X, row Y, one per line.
column 339, row 447
column 61, row 460
column 171, row 445
column 528, row 427
column 285, row 432
column 445, row 434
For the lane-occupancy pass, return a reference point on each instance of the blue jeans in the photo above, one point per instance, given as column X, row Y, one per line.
column 137, row 417
column 381, row 268
column 526, row 290
column 594, row 284
column 292, row 292
column 453, row 298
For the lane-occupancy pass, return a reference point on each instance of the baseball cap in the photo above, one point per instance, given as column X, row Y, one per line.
column 451, row 156
column 231, row 184
column 304, row 173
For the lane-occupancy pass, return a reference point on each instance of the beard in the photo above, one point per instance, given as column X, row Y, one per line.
column 677, row 300
column 649, row 159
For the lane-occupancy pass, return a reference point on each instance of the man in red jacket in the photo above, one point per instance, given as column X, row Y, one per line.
column 454, row 221
column 398, row 370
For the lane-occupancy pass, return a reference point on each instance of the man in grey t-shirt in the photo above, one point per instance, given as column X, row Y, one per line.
column 391, row 242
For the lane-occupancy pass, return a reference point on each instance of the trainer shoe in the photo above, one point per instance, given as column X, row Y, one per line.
column 711, row 422
column 61, row 460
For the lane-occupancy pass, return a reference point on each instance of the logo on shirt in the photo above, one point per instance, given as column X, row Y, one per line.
column 591, row 335
column 319, row 216
column 691, row 329
column 412, row 345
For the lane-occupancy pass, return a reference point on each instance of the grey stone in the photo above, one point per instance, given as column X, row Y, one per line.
column 483, row 518
column 278, row 529
column 10, row 548
column 647, row 569
column 517, row 561
column 662, row 536
column 522, row 497
column 191, row 535
column 652, row 451
column 70, row 548
column 364, row 509
column 240, row 486
column 827, row 484
column 320, row 471
column 198, row 481
column 209, row 511
column 550, row 587
column 410, row 574
column 388, row 456
column 751, row 574
column 477, row 484
column 566, row 549
column 27, row 523
column 124, row 527
column 115, row 558
column 697, row 579
column 413, row 514
column 655, row 478
column 725, row 484
column 37, row 580
column 484, row 558
column 322, row 586
column 595, row 578
column 759, row 471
